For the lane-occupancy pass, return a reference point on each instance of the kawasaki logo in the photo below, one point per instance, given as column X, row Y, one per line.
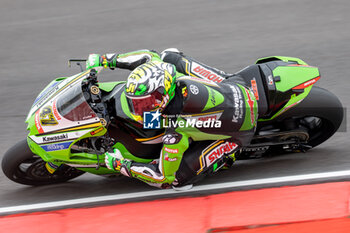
column 55, row 138
column 238, row 104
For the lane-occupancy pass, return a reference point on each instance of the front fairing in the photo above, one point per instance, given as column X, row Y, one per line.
column 61, row 116
column 53, row 89
column 61, row 106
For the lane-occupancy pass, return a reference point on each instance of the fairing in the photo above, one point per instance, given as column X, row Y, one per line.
column 292, row 80
column 60, row 117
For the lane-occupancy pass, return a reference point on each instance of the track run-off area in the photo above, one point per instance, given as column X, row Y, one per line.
column 304, row 208
column 139, row 196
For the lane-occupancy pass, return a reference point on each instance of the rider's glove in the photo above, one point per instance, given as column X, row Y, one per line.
column 94, row 60
column 106, row 61
column 114, row 160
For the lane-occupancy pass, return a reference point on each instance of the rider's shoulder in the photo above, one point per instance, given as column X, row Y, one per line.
column 188, row 80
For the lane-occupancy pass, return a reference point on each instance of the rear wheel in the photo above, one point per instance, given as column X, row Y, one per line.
column 305, row 126
column 320, row 113
column 20, row 165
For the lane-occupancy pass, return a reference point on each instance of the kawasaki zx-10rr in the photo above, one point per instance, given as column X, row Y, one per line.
column 72, row 123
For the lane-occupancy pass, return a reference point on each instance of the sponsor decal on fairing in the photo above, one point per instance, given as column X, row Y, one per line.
column 58, row 137
column 57, row 146
column 96, row 131
column 48, row 91
column 55, row 112
column 47, row 117
column 55, row 138
column 37, row 123
column 306, row 84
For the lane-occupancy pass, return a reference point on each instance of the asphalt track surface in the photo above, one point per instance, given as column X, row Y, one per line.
column 38, row 37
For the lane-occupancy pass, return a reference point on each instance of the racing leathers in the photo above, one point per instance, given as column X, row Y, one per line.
column 210, row 107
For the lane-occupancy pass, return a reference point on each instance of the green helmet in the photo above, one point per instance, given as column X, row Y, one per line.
column 150, row 87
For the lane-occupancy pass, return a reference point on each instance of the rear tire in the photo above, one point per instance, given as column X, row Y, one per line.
column 20, row 165
column 320, row 113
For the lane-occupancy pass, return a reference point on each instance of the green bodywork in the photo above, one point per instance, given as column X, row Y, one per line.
column 281, row 58
column 295, row 99
column 292, row 76
column 65, row 156
column 293, row 73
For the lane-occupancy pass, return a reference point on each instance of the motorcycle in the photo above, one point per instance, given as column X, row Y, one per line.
column 73, row 122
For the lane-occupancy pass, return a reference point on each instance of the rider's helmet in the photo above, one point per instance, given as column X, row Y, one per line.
column 150, row 87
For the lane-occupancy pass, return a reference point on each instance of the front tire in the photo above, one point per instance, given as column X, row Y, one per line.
column 20, row 165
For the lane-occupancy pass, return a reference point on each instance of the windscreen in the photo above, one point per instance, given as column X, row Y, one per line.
column 72, row 105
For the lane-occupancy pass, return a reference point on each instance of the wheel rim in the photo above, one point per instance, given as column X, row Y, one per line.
column 319, row 129
column 34, row 169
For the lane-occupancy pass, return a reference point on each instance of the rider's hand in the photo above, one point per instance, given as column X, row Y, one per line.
column 94, row 60
column 113, row 160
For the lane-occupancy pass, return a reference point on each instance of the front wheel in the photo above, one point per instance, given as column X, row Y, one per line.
column 20, row 165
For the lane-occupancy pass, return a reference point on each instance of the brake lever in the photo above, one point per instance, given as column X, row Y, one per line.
column 78, row 62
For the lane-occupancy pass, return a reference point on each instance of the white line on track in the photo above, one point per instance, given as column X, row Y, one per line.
column 201, row 188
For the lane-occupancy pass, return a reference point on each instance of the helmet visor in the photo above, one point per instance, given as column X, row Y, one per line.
column 140, row 104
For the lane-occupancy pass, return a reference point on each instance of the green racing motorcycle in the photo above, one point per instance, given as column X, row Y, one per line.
column 72, row 122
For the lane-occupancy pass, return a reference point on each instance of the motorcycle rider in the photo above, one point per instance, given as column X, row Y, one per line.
column 188, row 94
